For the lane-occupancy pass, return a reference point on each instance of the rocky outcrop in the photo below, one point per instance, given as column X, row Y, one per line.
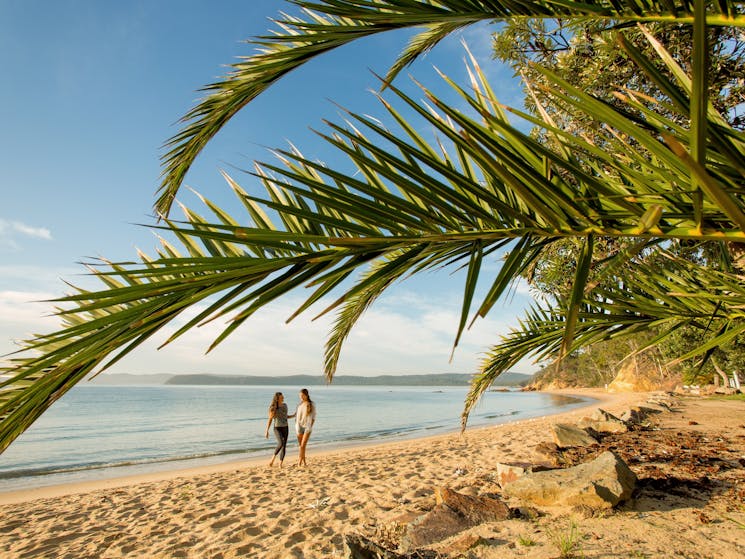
column 602, row 483
column 631, row 379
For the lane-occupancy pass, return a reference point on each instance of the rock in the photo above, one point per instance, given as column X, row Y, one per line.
column 464, row 544
column 507, row 473
column 613, row 426
column 476, row 510
column 566, row 436
column 550, row 451
column 631, row 379
column 651, row 409
column 602, row 483
column 638, row 414
column 360, row 547
column 390, row 534
column 663, row 399
column 436, row 525
column 453, row 513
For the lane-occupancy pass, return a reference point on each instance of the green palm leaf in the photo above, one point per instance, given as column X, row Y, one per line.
column 651, row 297
column 326, row 25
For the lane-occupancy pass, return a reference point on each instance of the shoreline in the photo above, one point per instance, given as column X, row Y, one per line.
column 326, row 450
column 690, row 463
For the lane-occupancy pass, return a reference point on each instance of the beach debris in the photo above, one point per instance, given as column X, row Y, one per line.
column 601, row 483
column 357, row 546
column 460, row 471
column 566, row 436
column 320, row 503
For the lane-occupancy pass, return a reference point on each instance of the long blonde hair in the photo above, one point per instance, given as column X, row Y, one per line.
column 274, row 406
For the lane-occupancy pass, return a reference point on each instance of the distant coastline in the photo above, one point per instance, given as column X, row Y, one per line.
column 439, row 379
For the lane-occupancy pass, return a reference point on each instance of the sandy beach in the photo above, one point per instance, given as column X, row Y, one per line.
column 246, row 509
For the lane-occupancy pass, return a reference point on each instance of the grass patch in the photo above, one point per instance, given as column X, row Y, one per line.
column 740, row 397
column 526, row 541
column 567, row 541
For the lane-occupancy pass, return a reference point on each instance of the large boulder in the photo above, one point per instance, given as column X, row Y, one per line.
column 601, row 483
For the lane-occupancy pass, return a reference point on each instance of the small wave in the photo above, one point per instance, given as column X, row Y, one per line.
column 53, row 470
column 498, row 415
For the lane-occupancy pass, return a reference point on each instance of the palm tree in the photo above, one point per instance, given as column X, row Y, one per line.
column 412, row 205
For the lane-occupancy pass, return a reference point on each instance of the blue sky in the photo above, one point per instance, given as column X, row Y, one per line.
column 91, row 91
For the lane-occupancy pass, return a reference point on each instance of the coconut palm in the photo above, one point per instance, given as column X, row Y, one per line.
column 483, row 188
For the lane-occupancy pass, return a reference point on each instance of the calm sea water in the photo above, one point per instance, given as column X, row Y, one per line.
column 98, row 432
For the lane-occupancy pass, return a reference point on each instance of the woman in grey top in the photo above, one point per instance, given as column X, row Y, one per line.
column 278, row 413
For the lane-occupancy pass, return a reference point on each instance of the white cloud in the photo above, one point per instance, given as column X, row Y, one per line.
column 406, row 333
column 10, row 230
column 19, row 227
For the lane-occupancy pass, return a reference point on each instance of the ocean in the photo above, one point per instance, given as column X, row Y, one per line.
column 100, row 432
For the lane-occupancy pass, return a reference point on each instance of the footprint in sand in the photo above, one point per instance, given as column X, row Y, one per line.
column 294, row 539
column 222, row 523
column 341, row 515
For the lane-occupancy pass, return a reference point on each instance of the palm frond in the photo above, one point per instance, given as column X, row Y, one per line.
column 326, row 25
column 653, row 297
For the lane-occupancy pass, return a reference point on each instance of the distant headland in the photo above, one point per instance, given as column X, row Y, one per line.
column 436, row 379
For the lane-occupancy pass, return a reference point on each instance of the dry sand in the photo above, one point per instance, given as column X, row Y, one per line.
column 250, row 510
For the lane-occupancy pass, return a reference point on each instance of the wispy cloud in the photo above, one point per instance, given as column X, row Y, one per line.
column 11, row 230
column 22, row 316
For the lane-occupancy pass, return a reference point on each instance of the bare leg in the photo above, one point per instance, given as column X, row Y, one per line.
column 303, row 440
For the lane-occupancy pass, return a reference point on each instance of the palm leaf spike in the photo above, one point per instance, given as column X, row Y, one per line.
column 584, row 264
column 547, row 119
column 226, row 248
column 472, row 276
column 699, row 100
column 481, row 85
column 256, row 213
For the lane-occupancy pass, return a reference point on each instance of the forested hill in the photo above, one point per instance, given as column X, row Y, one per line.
column 447, row 379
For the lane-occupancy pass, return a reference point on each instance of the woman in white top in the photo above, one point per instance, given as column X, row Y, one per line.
column 305, row 417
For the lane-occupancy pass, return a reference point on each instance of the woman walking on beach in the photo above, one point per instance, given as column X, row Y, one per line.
column 305, row 417
column 278, row 413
